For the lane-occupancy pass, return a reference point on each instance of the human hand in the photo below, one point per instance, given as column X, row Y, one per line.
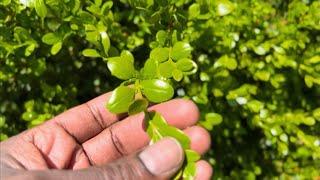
column 88, row 142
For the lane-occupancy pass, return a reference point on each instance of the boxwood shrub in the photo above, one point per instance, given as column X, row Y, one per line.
column 257, row 84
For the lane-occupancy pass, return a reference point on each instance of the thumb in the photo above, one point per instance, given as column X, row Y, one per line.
column 158, row 161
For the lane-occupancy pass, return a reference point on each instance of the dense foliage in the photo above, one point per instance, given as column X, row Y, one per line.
column 257, row 84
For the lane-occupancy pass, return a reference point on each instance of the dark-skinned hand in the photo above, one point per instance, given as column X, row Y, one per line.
column 88, row 142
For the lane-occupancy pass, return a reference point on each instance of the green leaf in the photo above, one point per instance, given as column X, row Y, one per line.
column 316, row 114
column 150, row 68
column 186, row 65
column 181, row 50
column 120, row 100
column 105, row 40
column 50, row 38
column 106, row 6
column 166, row 69
column 41, row 8
column 213, row 118
column 177, row 75
column 263, row 75
column 157, row 90
column 161, row 37
column 56, row 48
column 194, row 11
column 154, row 121
column 226, row 62
column 191, row 155
column 30, row 49
column 255, row 105
column 260, row 50
column 160, row 54
column 90, row 53
column 189, row 171
column 139, row 105
column 122, row 67
column 127, row 56
column 310, row 121
column 159, row 128
column 224, row 7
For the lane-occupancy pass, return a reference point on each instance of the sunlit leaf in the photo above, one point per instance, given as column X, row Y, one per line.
column 120, row 100
column 90, row 53
column 157, row 90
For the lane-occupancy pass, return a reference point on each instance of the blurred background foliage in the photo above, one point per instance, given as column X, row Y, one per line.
column 257, row 85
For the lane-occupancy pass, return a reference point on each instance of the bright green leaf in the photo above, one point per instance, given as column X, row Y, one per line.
column 262, row 75
column 56, row 48
column 166, row 69
column 189, row 171
column 41, row 8
column 120, row 100
column 105, row 42
column 30, row 49
column 150, row 69
column 181, row 50
column 316, row 114
column 186, row 65
column 121, row 67
column 127, row 56
column 227, row 62
column 255, row 105
column 160, row 54
column 191, row 155
column 309, row 121
column 177, row 75
column 157, row 90
column 139, row 105
column 224, row 7
column 50, row 38
column 194, row 11
column 161, row 37
column 260, row 50
column 159, row 127
column 213, row 118
column 90, row 53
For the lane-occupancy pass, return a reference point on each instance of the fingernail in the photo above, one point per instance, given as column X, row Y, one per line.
column 163, row 158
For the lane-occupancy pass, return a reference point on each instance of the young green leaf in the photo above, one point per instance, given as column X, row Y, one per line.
column 161, row 37
column 226, row 62
column 105, row 40
column 139, row 105
column 56, row 48
column 186, row 65
column 213, row 118
column 160, row 128
column 120, row 100
column 191, row 155
column 150, row 68
column 160, row 54
column 189, row 171
column 41, row 8
column 157, row 90
column 166, row 68
column 224, row 7
column 194, row 11
column 121, row 67
column 30, row 49
column 170, row 131
column 177, row 74
column 50, row 38
column 181, row 50
column 90, row 53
